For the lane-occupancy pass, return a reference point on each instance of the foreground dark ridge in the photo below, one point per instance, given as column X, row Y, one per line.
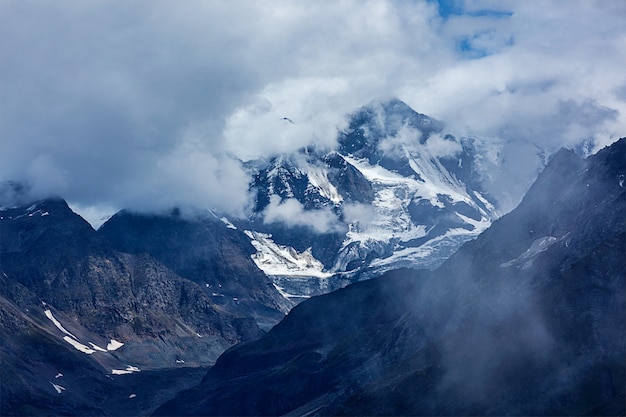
column 528, row 319
column 80, row 310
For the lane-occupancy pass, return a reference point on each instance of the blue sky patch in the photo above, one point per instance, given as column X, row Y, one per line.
column 448, row 8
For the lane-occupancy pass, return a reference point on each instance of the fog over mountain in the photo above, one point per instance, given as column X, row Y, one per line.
column 153, row 104
column 528, row 319
column 355, row 207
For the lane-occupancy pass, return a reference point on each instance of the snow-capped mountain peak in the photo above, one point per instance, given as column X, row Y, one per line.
column 396, row 191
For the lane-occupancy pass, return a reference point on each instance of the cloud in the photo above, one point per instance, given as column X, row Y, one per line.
column 285, row 117
column 547, row 56
column 292, row 213
column 441, row 147
column 396, row 145
column 99, row 100
column 44, row 174
column 360, row 214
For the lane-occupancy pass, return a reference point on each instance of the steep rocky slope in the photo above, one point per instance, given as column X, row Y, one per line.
column 397, row 191
column 77, row 314
column 205, row 250
column 528, row 319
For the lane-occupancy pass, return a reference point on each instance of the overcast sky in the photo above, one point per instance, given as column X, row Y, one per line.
column 147, row 104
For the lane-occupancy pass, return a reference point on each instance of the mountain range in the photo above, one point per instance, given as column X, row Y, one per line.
column 144, row 293
column 434, row 303
column 528, row 319
column 397, row 191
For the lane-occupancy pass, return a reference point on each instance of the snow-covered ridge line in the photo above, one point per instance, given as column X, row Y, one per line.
column 427, row 189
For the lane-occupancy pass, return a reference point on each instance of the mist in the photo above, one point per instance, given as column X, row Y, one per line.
column 150, row 105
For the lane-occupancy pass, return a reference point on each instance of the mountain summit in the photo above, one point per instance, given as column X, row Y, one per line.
column 397, row 191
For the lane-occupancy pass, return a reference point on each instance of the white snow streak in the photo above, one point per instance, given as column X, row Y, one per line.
column 96, row 347
column 58, row 388
column 288, row 296
column 318, row 178
column 129, row 370
column 74, row 341
column 483, row 200
column 48, row 314
column 527, row 258
column 78, row 346
column 228, row 223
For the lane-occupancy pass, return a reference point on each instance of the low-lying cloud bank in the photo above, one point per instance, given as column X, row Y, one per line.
column 152, row 104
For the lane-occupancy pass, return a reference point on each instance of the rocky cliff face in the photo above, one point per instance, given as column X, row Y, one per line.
column 205, row 250
column 528, row 319
column 396, row 192
column 73, row 304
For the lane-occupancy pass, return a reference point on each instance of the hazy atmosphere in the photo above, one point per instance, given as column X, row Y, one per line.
column 149, row 104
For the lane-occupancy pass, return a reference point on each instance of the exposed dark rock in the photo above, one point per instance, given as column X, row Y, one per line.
column 204, row 250
column 54, row 266
column 374, row 194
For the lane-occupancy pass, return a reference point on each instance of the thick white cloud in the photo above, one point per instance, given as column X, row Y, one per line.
column 360, row 214
column 292, row 213
column 150, row 103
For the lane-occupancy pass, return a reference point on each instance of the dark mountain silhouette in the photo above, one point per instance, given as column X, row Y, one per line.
column 204, row 250
column 69, row 300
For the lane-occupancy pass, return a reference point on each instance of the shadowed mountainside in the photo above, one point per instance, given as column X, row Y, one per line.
column 528, row 319
column 78, row 317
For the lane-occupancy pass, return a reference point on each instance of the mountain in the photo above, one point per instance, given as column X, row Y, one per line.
column 527, row 319
column 395, row 192
column 80, row 319
column 205, row 250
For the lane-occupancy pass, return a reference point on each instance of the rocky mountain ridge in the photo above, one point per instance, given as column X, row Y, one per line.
column 528, row 319
column 396, row 192
column 73, row 304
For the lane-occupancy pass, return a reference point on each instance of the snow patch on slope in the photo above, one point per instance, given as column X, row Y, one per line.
column 228, row 223
column 288, row 296
column 79, row 346
column 129, row 370
column 526, row 259
column 421, row 255
column 58, row 324
column 318, row 178
column 59, row 389
column 114, row 345
column 394, row 193
column 75, row 342
column 275, row 259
